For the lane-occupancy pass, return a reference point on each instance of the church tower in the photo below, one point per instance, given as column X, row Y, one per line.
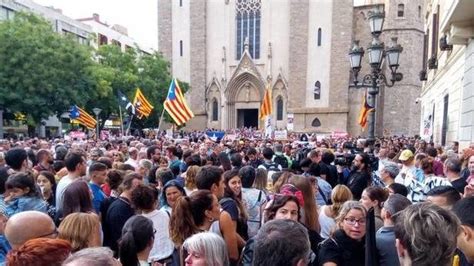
column 397, row 110
column 230, row 51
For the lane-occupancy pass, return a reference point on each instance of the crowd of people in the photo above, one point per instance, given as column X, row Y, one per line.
column 195, row 200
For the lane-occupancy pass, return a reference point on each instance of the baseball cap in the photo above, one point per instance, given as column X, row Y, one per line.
column 405, row 155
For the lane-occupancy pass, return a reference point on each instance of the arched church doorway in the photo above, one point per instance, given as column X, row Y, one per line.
column 247, row 118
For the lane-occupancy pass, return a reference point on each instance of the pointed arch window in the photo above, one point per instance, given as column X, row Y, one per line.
column 401, row 10
column 247, row 19
column 319, row 37
column 317, row 90
column 215, row 110
column 279, row 108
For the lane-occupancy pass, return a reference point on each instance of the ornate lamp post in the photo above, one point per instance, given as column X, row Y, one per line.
column 377, row 53
column 97, row 112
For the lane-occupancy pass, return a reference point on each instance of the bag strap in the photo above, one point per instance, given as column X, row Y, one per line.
column 322, row 195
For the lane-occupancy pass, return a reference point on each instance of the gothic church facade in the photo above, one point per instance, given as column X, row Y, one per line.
column 230, row 51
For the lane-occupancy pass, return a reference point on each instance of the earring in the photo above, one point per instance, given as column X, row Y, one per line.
column 211, row 220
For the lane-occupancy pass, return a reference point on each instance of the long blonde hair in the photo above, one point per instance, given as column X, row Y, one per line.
column 346, row 208
column 339, row 195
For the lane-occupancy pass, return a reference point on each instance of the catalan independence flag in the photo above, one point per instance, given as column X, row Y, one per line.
column 176, row 106
column 142, row 106
column 82, row 117
column 266, row 107
column 364, row 112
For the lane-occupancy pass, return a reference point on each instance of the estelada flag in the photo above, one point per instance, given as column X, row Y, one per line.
column 176, row 105
column 142, row 106
column 82, row 117
column 266, row 107
column 364, row 112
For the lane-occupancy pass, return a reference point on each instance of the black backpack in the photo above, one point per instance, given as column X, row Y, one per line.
column 281, row 160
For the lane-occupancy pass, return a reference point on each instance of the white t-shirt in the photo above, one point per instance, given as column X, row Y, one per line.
column 163, row 246
column 62, row 185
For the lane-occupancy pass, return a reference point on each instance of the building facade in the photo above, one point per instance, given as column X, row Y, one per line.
column 231, row 50
column 447, row 96
column 61, row 24
column 105, row 34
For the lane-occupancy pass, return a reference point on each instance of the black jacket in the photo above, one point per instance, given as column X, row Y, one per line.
column 342, row 250
column 357, row 182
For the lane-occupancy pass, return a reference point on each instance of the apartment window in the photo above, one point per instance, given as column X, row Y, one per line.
column 279, row 109
column 419, row 11
column 435, row 33
column 181, row 48
column 247, row 21
column 425, row 49
column 180, row 2
column 6, row 13
column 319, row 37
column 317, row 90
column 444, row 130
column 215, row 110
column 115, row 42
column 401, row 10
column 103, row 39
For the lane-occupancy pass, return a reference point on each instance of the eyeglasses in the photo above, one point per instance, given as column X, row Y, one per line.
column 53, row 234
column 353, row 221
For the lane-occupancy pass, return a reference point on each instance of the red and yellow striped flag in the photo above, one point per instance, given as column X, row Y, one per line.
column 364, row 112
column 142, row 106
column 78, row 115
column 266, row 107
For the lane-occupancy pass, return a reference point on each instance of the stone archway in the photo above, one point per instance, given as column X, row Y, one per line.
column 244, row 95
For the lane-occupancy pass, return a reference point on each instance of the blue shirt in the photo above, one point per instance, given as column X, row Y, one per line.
column 385, row 241
column 326, row 189
column 98, row 196
column 4, row 248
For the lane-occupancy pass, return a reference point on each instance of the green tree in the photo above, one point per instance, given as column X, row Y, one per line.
column 126, row 71
column 42, row 72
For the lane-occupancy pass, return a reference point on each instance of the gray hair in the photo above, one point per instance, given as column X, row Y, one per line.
column 278, row 147
column 98, row 256
column 453, row 165
column 209, row 245
column 145, row 163
column 391, row 168
column 428, row 233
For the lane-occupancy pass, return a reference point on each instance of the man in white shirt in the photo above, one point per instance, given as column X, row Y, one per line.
column 76, row 167
column 132, row 160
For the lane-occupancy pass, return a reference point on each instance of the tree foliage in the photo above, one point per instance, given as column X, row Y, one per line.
column 43, row 73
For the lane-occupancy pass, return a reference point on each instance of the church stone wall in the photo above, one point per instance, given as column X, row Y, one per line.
column 181, row 62
column 165, row 31
column 320, row 17
column 276, row 29
column 298, row 53
column 196, row 94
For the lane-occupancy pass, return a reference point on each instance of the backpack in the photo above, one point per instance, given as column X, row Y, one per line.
column 281, row 160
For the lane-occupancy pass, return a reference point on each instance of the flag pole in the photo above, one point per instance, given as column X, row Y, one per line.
column 161, row 119
column 121, row 120
column 129, row 124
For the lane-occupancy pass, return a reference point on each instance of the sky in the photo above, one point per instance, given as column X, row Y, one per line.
column 138, row 16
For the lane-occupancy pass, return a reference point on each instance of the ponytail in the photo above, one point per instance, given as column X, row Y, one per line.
column 182, row 224
column 137, row 235
column 127, row 249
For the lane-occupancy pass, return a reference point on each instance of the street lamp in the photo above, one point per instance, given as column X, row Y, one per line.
column 377, row 53
column 97, row 112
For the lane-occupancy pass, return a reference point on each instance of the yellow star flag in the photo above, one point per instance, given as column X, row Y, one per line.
column 142, row 106
column 266, row 107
